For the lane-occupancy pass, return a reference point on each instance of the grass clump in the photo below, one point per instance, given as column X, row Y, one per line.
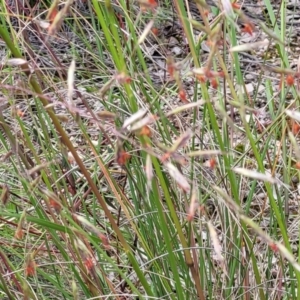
column 148, row 151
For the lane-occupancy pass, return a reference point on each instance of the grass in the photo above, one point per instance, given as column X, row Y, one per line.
column 131, row 172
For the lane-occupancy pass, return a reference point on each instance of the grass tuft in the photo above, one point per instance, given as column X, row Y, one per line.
column 148, row 150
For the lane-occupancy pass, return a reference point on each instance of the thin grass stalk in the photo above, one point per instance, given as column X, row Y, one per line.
column 187, row 30
column 267, row 185
column 16, row 148
column 33, row 152
column 16, row 275
column 232, row 178
column 3, row 286
column 183, row 241
column 167, row 239
column 278, row 32
column 286, row 180
column 113, row 40
column 284, row 123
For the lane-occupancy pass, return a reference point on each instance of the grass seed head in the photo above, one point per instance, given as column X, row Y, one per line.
column 183, row 96
column 30, row 266
column 122, row 157
column 289, row 80
column 248, row 28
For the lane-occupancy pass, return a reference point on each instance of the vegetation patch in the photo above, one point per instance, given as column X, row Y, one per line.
column 149, row 149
